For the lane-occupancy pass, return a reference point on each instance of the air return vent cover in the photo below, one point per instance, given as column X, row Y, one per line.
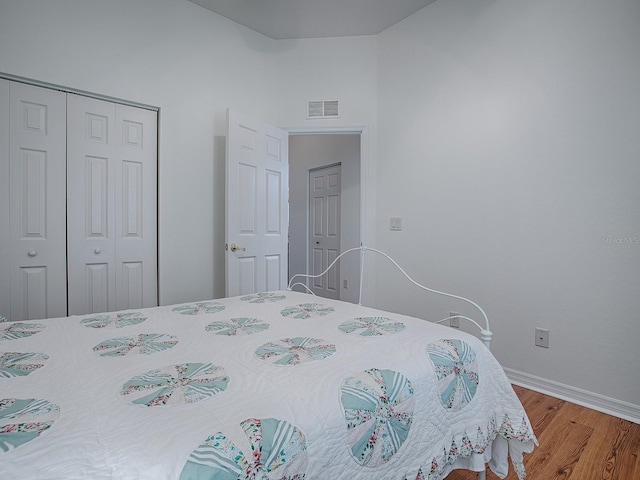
column 322, row 109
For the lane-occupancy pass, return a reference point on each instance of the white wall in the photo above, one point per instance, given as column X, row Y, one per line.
column 509, row 133
column 307, row 152
column 192, row 64
column 171, row 55
column 343, row 69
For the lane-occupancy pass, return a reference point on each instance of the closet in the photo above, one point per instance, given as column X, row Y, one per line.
column 78, row 203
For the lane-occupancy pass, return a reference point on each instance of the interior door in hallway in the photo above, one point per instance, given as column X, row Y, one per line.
column 256, row 206
column 324, row 229
column 32, row 202
column 112, row 197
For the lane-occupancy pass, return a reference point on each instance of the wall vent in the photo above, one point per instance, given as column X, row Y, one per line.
column 322, row 109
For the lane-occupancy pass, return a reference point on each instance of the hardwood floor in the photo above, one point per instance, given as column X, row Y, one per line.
column 576, row 443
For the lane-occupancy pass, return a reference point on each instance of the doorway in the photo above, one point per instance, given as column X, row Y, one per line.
column 308, row 152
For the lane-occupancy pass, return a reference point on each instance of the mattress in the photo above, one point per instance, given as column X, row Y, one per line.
column 276, row 385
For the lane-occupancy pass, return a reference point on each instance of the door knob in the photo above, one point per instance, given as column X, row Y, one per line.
column 236, row 248
column 97, row 251
column 32, row 253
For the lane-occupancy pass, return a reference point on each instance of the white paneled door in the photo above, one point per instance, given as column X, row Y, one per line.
column 257, row 213
column 324, row 229
column 32, row 202
column 136, row 208
column 78, row 196
column 111, row 198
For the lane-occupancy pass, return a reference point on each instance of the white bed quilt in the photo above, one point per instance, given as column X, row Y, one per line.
column 278, row 385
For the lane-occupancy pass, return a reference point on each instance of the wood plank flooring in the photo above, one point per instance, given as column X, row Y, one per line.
column 576, row 443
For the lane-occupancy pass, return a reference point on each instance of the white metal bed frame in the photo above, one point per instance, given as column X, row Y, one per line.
column 485, row 332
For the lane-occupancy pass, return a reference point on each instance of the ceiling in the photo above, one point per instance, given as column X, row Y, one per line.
column 289, row 19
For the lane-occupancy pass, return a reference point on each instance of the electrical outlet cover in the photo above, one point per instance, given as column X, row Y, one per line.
column 542, row 337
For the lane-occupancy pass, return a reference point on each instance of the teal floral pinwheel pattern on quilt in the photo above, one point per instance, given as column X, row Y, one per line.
column 378, row 409
column 371, row 326
column 263, row 297
column 142, row 344
column 293, row 351
column 457, row 372
column 176, row 385
column 237, row 326
column 23, row 420
column 307, row 310
column 199, row 308
column 13, row 331
column 117, row 320
column 15, row 364
column 267, row 449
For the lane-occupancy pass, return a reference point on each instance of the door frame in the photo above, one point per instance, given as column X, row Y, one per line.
column 363, row 132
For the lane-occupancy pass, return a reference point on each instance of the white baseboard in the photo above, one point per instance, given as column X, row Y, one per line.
column 594, row 401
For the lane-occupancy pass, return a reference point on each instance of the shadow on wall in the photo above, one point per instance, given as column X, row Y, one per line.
column 218, row 220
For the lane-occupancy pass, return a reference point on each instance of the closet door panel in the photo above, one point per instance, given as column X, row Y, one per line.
column 112, row 198
column 136, row 208
column 34, row 252
column 91, row 159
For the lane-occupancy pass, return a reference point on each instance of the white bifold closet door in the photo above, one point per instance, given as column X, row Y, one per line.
column 33, row 262
column 78, row 202
column 111, row 206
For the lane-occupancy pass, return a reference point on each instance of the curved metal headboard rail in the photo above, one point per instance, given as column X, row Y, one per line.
column 485, row 331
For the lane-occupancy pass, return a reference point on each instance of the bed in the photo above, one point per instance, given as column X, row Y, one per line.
column 273, row 385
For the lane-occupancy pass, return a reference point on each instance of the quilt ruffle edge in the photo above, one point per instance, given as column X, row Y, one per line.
column 520, row 439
